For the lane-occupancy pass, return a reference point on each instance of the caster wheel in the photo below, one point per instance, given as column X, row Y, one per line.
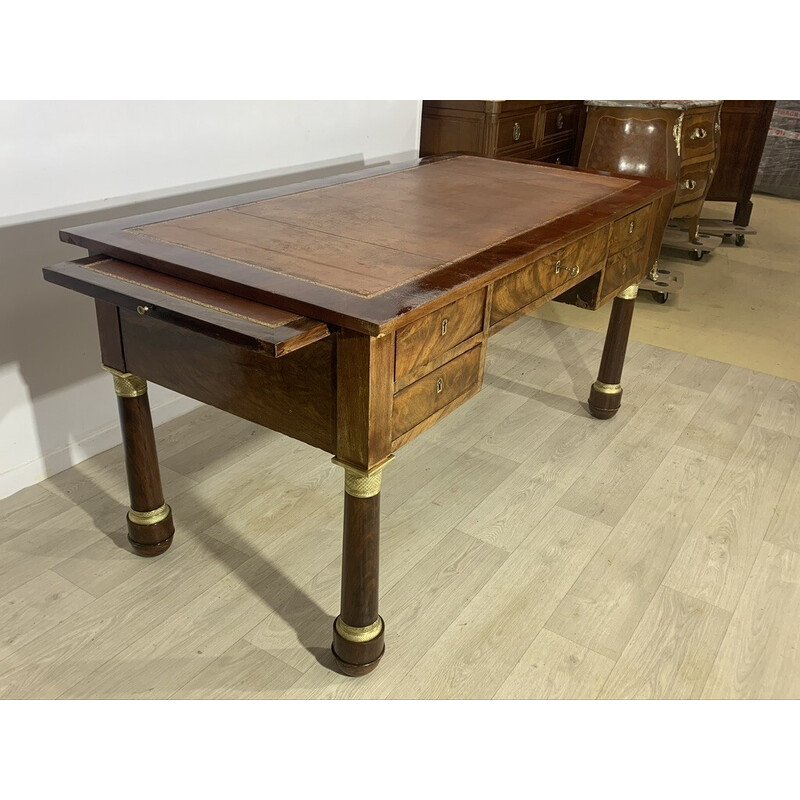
column 739, row 240
column 660, row 297
column 697, row 255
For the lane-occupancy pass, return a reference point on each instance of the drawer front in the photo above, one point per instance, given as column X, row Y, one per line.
column 630, row 229
column 560, row 157
column 436, row 390
column 436, row 333
column 693, row 182
column 559, row 121
column 623, row 269
column 698, row 134
column 514, row 131
column 565, row 267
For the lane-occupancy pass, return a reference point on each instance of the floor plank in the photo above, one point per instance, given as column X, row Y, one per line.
column 760, row 654
column 554, row 668
column 671, row 652
column 605, row 604
column 719, row 551
column 784, row 530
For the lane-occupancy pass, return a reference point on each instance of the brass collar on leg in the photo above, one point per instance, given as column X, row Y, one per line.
column 126, row 384
column 630, row 293
column 359, row 635
column 149, row 517
column 362, row 483
column 608, row 388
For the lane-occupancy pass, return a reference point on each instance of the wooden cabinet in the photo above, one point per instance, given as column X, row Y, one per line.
column 539, row 130
column 744, row 131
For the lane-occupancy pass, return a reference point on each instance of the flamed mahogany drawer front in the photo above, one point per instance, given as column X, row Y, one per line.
column 693, row 181
column 623, row 269
column 560, row 121
column 436, row 333
column 629, row 229
column 562, row 268
column 437, row 389
column 698, row 133
column 514, row 131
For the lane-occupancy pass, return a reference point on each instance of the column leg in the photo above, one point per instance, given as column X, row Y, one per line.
column 150, row 526
column 742, row 213
column 358, row 630
column 606, row 393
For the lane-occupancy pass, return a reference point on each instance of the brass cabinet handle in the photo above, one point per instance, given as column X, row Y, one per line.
column 516, row 131
column 559, row 121
column 698, row 133
column 439, row 385
column 444, row 327
column 573, row 271
column 142, row 310
column 631, row 226
column 558, row 160
column 689, row 184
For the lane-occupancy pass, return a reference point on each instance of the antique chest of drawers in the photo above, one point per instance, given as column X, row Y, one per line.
column 538, row 130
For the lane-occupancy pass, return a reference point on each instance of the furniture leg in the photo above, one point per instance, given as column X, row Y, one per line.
column 358, row 630
column 742, row 213
column 150, row 526
column 606, row 393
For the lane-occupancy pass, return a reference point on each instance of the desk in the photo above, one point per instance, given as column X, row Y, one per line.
column 352, row 314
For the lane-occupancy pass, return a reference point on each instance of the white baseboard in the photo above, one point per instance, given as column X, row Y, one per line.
column 90, row 445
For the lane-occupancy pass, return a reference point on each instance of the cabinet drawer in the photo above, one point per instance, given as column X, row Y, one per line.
column 436, row 333
column 514, row 131
column 623, row 269
column 629, row 229
column 693, row 182
column 698, row 134
column 562, row 268
column 436, row 390
column 559, row 121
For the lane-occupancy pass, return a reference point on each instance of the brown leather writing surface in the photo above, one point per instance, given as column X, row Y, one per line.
column 372, row 252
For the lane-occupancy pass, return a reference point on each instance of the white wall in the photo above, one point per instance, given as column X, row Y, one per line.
column 70, row 163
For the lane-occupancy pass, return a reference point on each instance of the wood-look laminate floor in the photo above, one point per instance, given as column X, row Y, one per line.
column 528, row 550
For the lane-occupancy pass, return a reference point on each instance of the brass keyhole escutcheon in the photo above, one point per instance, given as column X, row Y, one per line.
column 516, row 131
column 631, row 226
column 689, row 184
column 698, row 133
column 559, row 122
column 444, row 327
column 142, row 310
column 558, row 267
column 439, row 385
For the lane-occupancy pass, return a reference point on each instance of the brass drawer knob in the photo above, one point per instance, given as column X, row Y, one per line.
column 573, row 271
column 558, row 160
column 689, row 184
column 516, row 131
column 698, row 133
column 439, row 385
column 444, row 327
column 142, row 310
column 632, row 226
column 559, row 121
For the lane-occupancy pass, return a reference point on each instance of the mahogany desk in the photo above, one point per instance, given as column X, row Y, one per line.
column 352, row 314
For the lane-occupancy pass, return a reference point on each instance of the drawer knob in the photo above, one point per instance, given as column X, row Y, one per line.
column 559, row 121
column 698, row 133
column 558, row 160
column 516, row 131
column 439, row 385
column 142, row 310
column 689, row 184
column 444, row 327
column 632, row 226
column 573, row 271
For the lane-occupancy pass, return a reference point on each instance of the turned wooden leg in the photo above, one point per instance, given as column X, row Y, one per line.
column 606, row 392
column 358, row 630
column 150, row 527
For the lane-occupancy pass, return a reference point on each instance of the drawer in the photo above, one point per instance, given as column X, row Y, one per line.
column 693, row 181
column 563, row 268
column 514, row 131
column 222, row 316
column 436, row 333
column 561, row 157
column 629, row 229
column 559, row 121
column 698, row 133
column 623, row 269
column 437, row 389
